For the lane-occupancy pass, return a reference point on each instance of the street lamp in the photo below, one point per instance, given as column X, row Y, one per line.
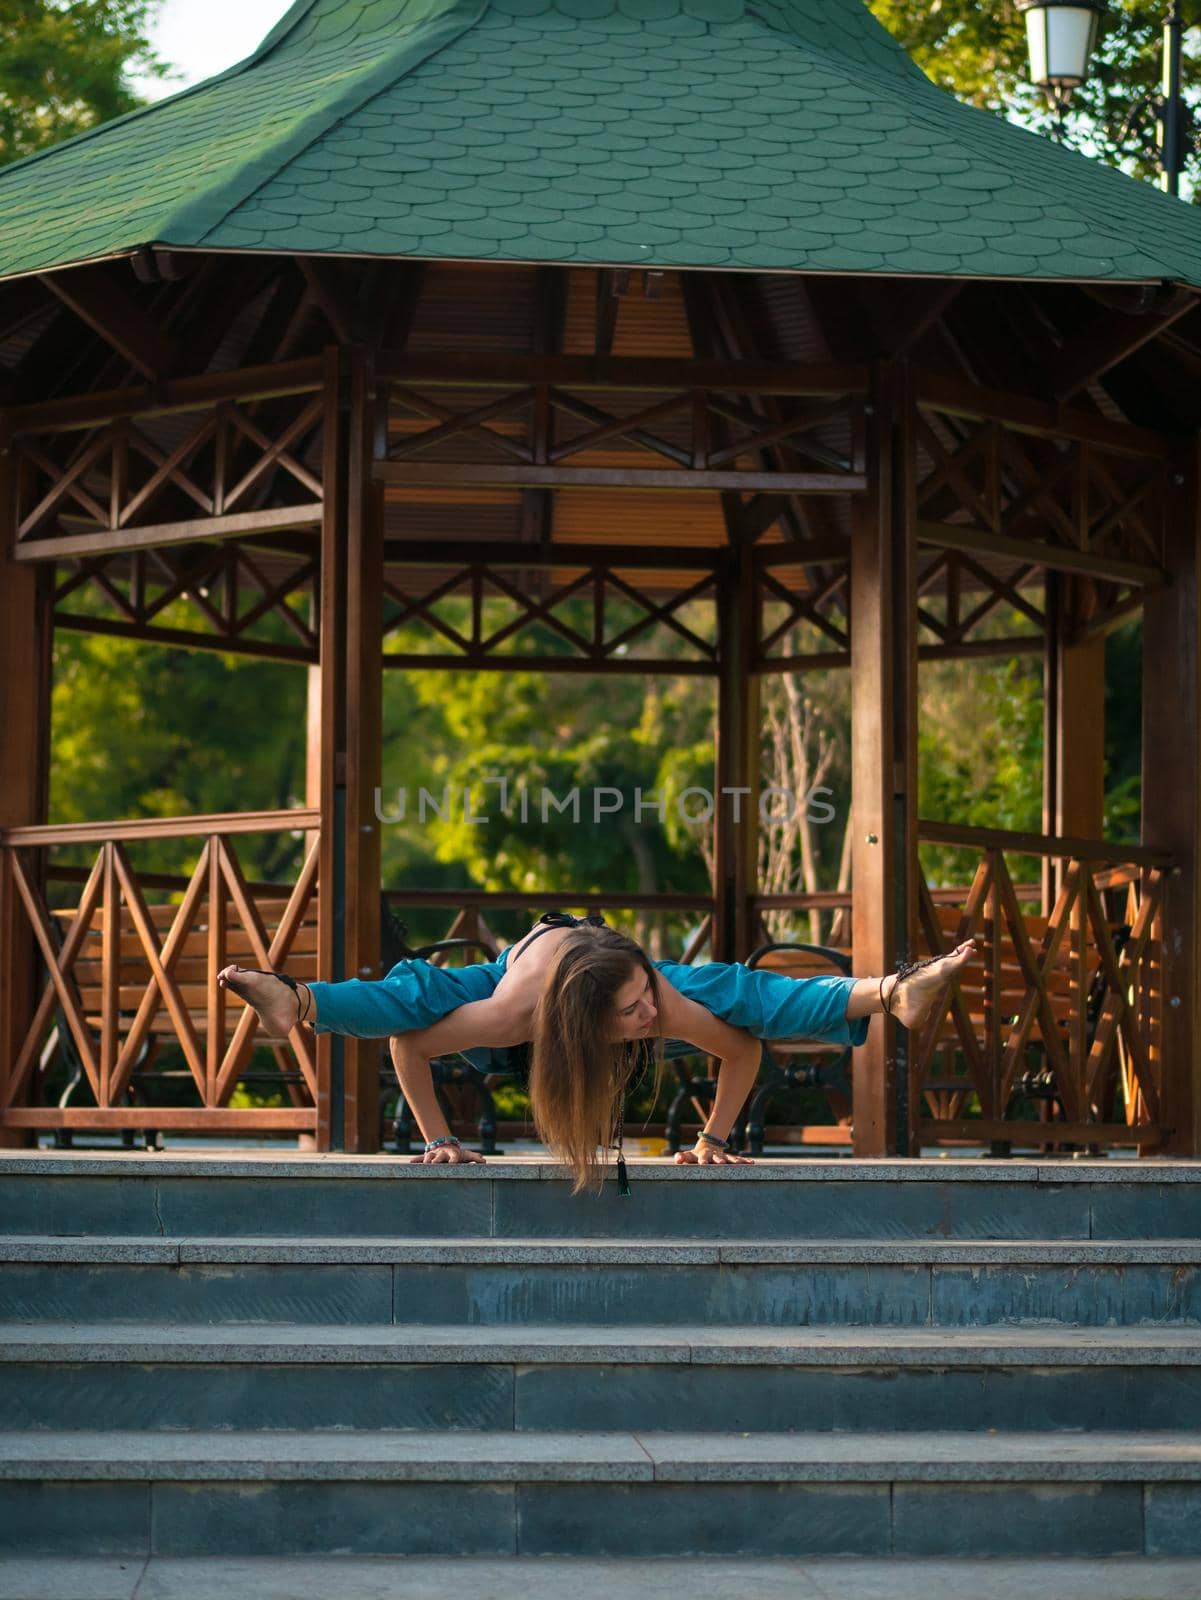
column 1061, row 35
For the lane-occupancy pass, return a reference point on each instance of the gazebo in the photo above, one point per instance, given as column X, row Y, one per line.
column 676, row 303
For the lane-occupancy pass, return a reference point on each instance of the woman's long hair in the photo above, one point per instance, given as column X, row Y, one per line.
column 578, row 1076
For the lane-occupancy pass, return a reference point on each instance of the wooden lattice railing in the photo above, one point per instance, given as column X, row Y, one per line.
column 1053, row 1033
column 131, row 966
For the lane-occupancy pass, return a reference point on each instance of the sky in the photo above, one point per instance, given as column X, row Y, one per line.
column 201, row 37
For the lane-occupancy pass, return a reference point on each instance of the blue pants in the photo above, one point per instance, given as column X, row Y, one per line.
column 767, row 1004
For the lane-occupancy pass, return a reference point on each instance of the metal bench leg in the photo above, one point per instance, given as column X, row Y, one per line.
column 403, row 1127
column 487, row 1123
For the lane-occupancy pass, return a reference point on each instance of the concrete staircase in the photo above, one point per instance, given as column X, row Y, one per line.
column 219, row 1356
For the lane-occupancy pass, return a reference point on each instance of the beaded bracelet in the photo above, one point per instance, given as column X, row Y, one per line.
column 711, row 1138
column 448, row 1138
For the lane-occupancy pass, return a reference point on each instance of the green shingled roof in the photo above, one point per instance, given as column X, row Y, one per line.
column 767, row 134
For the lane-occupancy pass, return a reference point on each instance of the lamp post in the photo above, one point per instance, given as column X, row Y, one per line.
column 1172, row 118
column 1060, row 37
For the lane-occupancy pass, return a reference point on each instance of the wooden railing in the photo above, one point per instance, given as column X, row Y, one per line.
column 1052, row 1035
column 131, row 967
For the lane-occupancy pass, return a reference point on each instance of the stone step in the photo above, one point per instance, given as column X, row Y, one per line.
column 909, row 1282
column 154, row 1577
column 634, row 1457
column 633, row 1494
column 114, row 1376
column 312, row 1196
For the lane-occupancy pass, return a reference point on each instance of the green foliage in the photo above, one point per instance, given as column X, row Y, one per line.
column 1123, row 732
column 64, row 67
column 140, row 730
column 979, row 753
column 462, row 735
column 978, row 52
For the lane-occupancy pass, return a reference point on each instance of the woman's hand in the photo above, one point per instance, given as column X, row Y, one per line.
column 446, row 1155
column 704, row 1154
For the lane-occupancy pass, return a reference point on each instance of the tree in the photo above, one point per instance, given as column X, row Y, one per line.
column 140, row 730
column 64, row 67
column 556, row 743
column 978, row 52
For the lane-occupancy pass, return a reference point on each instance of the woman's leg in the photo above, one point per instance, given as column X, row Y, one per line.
column 769, row 1004
column 773, row 1006
column 413, row 995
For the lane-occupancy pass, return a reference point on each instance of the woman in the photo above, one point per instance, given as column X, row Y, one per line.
column 586, row 995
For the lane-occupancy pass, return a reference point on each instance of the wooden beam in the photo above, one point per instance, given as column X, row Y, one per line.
column 399, row 312
column 1053, row 421
column 55, row 362
column 883, row 754
column 168, row 533
column 836, row 308
column 1171, row 801
column 596, row 665
column 177, row 394
column 1073, row 727
column 320, row 277
column 180, row 1119
column 736, row 759
column 351, row 735
column 1111, row 339
column 487, row 369
column 260, row 649
column 331, row 868
column 1055, row 558
column 804, row 553
column 901, row 315
column 22, row 302
column 493, row 553
column 1037, row 844
column 427, row 474
column 1080, row 726
column 984, row 1130
column 218, row 308
column 610, row 286
column 97, row 301
column 131, row 829
column 363, row 533
column 26, row 642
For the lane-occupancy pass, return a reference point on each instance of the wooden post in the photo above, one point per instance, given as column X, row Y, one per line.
column 351, row 737
column 1073, row 725
column 364, row 740
column 883, row 753
column 331, row 763
column 26, row 641
column 737, row 762
column 1171, row 816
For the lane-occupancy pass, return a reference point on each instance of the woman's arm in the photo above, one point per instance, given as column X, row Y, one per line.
column 739, row 1054
column 504, row 1018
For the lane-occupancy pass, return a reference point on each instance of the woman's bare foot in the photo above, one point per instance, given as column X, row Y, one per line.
column 918, row 993
column 279, row 1007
